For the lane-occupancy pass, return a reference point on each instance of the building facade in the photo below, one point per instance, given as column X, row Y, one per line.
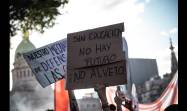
column 27, row 94
column 142, row 69
column 89, row 103
column 152, row 89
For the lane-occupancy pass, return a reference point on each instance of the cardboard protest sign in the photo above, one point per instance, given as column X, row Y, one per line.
column 97, row 49
column 48, row 63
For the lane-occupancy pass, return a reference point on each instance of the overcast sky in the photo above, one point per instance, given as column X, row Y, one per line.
column 148, row 25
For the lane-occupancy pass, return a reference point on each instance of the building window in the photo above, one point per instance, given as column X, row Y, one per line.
column 88, row 105
column 17, row 74
column 93, row 105
column 28, row 73
column 24, row 73
column 20, row 74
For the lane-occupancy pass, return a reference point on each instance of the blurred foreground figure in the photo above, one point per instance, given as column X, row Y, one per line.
column 120, row 99
column 173, row 107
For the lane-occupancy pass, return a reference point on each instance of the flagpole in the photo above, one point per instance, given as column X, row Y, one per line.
column 72, row 101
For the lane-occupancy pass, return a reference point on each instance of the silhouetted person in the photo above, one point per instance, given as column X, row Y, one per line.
column 101, row 91
column 119, row 98
column 112, row 107
column 73, row 101
column 128, row 105
column 49, row 110
column 173, row 107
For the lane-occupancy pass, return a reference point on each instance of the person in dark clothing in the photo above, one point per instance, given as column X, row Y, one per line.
column 173, row 107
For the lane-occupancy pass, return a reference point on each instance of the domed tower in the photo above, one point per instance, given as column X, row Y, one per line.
column 174, row 63
column 22, row 75
column 27, row 94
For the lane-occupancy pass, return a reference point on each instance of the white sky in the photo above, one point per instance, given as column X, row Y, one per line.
column 144, row 40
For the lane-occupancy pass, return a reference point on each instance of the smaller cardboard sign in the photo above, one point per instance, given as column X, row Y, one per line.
column 48, row 63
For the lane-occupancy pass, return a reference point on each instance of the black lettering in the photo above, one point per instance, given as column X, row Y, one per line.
column 105, row 71
column 52, row 49
column 50, row 65
column 57, row 48
column 55, row 77
column 93, row 74
column 38, row 54
column 84, row 51
column 102, row 47
column 61, row 58
column 98, row 48
column 56, row 61
column 37, row 69
column 64, row 68
column 98, row 73
column 121, row 70
column 105, row 34
column 91, row 36
column 108, row 45
column 108, row 33
column 57, row 72
column 79, row 38
column 82, row 74
column 112, row 57
column 45, row 51
column 99, row 60
column 92, row 61
column 116, row 69
column 102, row 34
column 117, row 32
column 81, row 51
column 30, row 57
column 62, row 47
column 110, row 71
column 79, row 75
column 105, row 60
column 76, row 76
column 88, row 61
column 51, row 62
column 47, row 78
column 44, row 66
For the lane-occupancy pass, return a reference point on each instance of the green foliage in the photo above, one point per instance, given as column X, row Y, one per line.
column 33, row 14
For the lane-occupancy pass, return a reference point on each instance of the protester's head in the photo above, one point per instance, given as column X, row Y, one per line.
column 112, row 107
column 173, row 107
column 49, row 110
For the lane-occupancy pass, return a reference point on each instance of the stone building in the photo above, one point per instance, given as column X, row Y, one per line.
column 150, row 90
column 142, row 69
column 139, row 70
column 89, row 103
column 154, row 87
column 27, row 94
